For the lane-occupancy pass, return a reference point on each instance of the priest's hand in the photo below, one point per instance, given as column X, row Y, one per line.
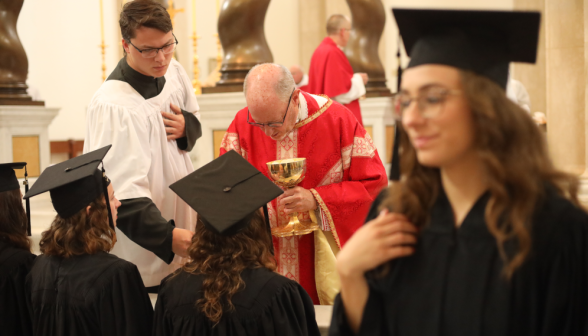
column 364, row 76
column 297, row 199
column 181, row 241
column 388, row 236
column 175, row 125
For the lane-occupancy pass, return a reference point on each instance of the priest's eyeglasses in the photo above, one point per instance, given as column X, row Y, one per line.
column 152, row 52
column 429, row 101
column 273, row 124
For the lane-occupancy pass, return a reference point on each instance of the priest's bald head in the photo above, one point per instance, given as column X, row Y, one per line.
column 272, row 99
column 339, row 28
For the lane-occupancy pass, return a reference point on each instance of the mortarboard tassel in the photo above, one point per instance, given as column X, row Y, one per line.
column 269, row 228
column 105, row 190
column 28, row 203
column 395, row 165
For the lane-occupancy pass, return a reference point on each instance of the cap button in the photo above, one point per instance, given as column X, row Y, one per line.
column 227, row 189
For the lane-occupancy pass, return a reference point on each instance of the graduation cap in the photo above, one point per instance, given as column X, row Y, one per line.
column 75, row 183
column 8, row 181
column 225, row 192
column 484, row 42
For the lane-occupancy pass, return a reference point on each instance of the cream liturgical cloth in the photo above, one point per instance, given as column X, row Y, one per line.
column 142, row 163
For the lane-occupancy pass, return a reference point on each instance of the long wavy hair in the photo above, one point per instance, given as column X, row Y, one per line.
column 82, row 233
column 221, row 259
column 514, row 154
column 13, row 221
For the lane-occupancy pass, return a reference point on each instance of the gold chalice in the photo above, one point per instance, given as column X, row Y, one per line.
column 288, row 173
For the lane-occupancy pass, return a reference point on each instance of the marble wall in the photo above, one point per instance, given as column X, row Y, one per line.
column 557, row 84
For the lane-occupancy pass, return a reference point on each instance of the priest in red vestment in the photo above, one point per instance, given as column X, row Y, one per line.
column 344, row 171
column 330, row 72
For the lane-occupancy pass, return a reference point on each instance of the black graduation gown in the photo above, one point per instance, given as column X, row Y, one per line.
column 269, row 305
column 15, row 264
column 97, row 294
column 453, row 284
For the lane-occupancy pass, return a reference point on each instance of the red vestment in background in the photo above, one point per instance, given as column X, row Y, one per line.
column 330, row 74
column 344, row 173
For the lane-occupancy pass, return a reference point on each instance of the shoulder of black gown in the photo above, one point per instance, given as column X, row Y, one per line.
column 374, row 212
column 100, row 293
column 270, row 304
column 15, row 264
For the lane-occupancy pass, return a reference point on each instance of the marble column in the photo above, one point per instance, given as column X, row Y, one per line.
column 566, row 83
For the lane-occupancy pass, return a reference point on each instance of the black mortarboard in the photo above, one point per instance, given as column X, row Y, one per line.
column 484, row 42
column 225, row 192
column 75, row 183
column 8, row 181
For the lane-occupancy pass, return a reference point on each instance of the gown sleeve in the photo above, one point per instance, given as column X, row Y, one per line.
column 193, row 132
column 291, row 313
column 372, row 320
column 124, row 306
column 127, row 165
column 15, row 318
column 190, row 112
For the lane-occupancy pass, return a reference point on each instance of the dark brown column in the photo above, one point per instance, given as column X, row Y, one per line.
column 13, row 59
column 368, row 18
column 240, row 29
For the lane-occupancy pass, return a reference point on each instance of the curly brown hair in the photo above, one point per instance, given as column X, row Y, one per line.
column 82, row 233
column 514, row 154
column 221, row 259
column 13, row 222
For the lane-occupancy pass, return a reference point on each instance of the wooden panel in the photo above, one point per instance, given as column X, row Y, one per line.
column 217, row 138
column 73, row 148
column 26, row 148
column 370, row 131
column 389, row 143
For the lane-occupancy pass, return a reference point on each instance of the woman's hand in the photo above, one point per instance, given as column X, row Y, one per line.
column 387, row 237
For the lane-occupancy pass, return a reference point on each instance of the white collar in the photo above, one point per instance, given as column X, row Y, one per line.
column 302, row 108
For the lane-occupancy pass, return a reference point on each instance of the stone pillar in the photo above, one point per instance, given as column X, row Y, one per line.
column 368, row 18
column 14, row 65
column 241, row 32
column 566, row 83
column 533, row 75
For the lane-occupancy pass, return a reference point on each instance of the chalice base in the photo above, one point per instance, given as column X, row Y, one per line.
column 284, row 231
column 305, row 228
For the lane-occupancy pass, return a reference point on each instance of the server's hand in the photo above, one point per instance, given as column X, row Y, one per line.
column 181, row 241
column 175, row 125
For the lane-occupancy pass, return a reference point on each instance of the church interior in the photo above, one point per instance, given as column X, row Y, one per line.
column 73, row 46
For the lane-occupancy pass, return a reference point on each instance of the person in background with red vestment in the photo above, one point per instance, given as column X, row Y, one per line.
column 344, row 171
column 330, row 72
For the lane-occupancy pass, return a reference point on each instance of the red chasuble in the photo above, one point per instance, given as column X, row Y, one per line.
column 330, row 74
column 344, row 173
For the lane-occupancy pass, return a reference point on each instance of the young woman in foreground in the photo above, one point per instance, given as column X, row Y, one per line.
column 481, row 235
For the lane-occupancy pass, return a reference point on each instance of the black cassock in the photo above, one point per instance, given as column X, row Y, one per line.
column 453, row 284
column 269, row 305
column 15, row 264
column 97, row 294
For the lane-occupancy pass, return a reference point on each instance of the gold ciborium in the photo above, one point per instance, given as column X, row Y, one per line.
column 288, row 173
